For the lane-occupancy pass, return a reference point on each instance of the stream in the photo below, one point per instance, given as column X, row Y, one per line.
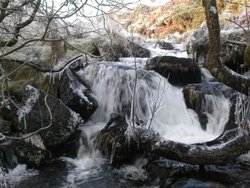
column 159, row 106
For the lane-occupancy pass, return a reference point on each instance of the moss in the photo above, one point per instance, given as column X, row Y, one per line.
column 16, row 88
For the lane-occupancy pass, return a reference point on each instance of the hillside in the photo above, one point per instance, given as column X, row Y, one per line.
column 175, row 16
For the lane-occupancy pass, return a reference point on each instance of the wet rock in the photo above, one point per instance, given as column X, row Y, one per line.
column 5, row 126
column 8, row 159
column 178, row 71
column 76, row 94
column 40, row 111
column 70, row 147
column 197, row 47
column 30, row 154
column 164, row 45
column 195, row 98
column 114, row 141
column 232, row 53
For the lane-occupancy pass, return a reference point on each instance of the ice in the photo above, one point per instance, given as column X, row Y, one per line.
column 29, row 103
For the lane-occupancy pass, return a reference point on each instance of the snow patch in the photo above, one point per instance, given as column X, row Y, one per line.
column 75, row 119
column 79, row 90
column 36, row 140
column 29, row 103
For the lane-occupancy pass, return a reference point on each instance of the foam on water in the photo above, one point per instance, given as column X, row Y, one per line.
column 135, row 171
column 16, row 175
column 89, row 160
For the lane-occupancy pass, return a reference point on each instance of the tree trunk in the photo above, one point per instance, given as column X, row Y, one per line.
column 215, row 66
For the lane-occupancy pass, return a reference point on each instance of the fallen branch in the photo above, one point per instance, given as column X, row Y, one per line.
column 226, row 149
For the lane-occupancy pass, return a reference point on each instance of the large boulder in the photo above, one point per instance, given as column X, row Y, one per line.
column 115, row 46
column 76, row 94
column 164, row 45
column 122, row 143
column 232, row 54
column 113, row 143
column 178, row 71
column 197, row 46
column 108, row 46
column 232, row 47
column 38, row 110
column 197, row 98
column 31, row 151
column 8, row 159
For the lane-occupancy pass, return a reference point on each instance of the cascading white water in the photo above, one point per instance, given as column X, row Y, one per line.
column 89, row 160
column 158, row 104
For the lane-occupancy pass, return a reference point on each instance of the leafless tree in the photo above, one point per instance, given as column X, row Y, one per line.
column 27, row 23
column 24, row 22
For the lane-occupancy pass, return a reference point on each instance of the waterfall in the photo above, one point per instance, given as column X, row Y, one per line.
column 158, row 105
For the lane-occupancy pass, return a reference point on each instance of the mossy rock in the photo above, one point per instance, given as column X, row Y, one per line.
column 86, row 45
column 16, row 88
column 27, row 75
column 115, row 46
